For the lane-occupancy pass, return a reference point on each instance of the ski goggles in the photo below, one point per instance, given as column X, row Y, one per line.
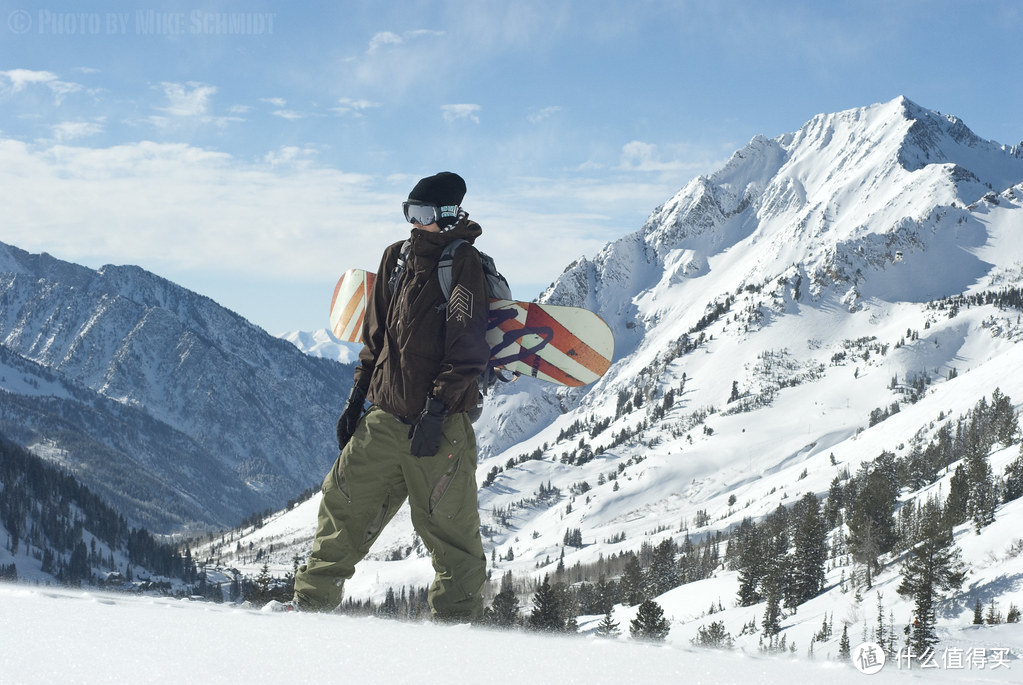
column 424, row 215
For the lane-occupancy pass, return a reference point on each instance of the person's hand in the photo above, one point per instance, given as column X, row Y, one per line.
column 349, row 418
column 428, row 429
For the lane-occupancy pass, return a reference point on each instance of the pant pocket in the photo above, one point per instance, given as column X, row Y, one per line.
column 337, row 479
column 443, row 484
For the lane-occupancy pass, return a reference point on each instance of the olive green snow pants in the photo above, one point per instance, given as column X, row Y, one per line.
column 369, row 482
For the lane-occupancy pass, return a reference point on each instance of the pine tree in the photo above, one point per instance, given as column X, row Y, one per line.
column 504, row 611
column 1003, row 417
column 749, row 562
column 844, row 649
column 993, row 616
column 630, row 585
column 981, row 498
column 389, row 609
column 871, row 523
column 933, row 566
column 608, row 627
column 956, row 509
column 714, row 636
column 547, row 615
column 607, row 594
column 772, row 612
column 259, row 593
column 807, row 579
column 1014, row 479
column 650, row 624
column 881, row 632
column 663, row 573
column 834, row 504
column 777, row 565
column 978, row 613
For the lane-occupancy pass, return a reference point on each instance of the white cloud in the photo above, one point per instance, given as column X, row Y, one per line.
column 355, row 108
column 387, row 39
column 190, row 99
column 188, row 103
column 537, row 115
column 18, row 80
column 393, row 63
column 71, row 130
column 289, row 154
column 638, row 156
column 383, row 39
column 457, row 112
column 276, row 102
column 289, row 114
column 170, row 207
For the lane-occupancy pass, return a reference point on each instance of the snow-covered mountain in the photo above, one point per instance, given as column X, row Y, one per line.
column 767, row 317
column 174, row 409
column 322, row 344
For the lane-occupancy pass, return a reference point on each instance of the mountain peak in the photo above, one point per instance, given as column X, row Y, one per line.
column 836, row 200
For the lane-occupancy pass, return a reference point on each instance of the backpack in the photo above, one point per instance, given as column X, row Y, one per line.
column 497, row 285
column 497, row 288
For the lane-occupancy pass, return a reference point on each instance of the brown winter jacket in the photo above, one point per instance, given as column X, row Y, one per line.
column 413, row 348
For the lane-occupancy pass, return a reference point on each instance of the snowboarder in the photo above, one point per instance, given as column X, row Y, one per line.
column 418, row 368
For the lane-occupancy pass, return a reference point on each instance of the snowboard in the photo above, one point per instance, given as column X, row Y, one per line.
column 568, row 346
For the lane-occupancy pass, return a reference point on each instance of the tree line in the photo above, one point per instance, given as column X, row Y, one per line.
column 782, row 560
column 50, row 515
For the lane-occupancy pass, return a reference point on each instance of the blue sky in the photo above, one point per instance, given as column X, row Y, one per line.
column 253, row 151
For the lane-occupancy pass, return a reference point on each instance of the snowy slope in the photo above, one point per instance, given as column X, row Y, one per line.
column 117, row 638
column 777, row 302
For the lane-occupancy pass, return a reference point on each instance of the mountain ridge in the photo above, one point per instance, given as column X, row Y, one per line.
column 252, row 407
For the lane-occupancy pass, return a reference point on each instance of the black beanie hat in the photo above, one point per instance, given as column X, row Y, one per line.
column 444, row 190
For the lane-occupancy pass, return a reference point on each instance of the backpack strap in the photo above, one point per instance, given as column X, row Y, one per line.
column 447, row 259
column 399, row 268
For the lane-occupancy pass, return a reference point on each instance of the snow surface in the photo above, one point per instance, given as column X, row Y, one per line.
column 70, row 636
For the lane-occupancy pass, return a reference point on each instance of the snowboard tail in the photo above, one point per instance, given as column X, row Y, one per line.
column 348, row 305
column 564, row 345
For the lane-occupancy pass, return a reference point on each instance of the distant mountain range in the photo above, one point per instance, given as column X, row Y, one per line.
column 322, row 344
column 177, row 411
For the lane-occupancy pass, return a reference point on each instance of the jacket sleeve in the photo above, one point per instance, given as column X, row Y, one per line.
column 466, row 350
column 375, row 323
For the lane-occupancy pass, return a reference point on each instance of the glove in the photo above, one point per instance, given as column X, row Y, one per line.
column 349, row 418
column 428, row 429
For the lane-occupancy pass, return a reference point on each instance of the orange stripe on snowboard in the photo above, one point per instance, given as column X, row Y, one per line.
column 353, row 304
column 343, row 321
column 569, row 344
